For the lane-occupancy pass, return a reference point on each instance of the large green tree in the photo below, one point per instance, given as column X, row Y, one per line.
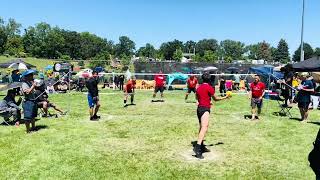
column 210, row 56
column 308, row 52
column 206, row 45
column 253, row 51
column 125, row 47
column 177, row 56
column 317, row 52
column 3, row 36
column 189, row 46
column 147, row 51
column 169, row 48
column 282, row 52
column 264, row 51
column 232, row 49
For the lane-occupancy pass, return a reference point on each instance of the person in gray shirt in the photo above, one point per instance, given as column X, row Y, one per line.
column 29, row 105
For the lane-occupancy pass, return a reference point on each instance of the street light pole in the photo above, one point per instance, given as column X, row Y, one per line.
column 302, row 29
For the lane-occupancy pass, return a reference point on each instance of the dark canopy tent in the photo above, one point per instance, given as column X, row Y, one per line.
column 309, row 65
column 7, row 64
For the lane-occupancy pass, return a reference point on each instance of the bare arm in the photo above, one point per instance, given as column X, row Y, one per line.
column 28, row 91
column 216, row 98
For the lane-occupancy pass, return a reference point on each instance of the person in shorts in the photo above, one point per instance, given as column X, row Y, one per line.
column 30, row 109
column 192, row 83
column 257, row 90
column 159, row 84
column 93, row 96
column 304, row 96
column 204, row 94
column 129, row 90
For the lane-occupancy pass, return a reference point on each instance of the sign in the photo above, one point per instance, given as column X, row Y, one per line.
column 62, row 67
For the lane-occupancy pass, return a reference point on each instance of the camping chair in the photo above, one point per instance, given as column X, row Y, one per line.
column 285, row 110
column 6, row 115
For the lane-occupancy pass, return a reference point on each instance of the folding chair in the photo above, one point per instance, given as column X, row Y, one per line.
column 285, row 109
column 6, row 115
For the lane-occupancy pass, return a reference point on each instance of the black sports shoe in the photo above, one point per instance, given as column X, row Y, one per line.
column 204, row 149
column 197, row 150
column 96, row 117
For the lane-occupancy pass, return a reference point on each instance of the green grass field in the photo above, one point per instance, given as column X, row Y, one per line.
column 153, row 141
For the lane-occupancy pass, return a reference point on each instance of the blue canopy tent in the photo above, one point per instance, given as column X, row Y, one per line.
column 266, row 72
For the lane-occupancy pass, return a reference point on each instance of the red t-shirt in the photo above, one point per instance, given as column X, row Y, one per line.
column 192, row 83
column 204, row 94
column 159, row 80
column 257, row 89
column 130, row 85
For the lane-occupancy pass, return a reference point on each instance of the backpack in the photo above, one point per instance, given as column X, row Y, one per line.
column 314, row 156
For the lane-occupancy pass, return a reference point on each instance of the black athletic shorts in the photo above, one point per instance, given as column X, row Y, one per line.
column 304, row 105
column 191, row 90
column 157, row 89
column 201, row 111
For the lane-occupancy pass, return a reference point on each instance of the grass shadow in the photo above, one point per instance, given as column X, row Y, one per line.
column 279, row 114
column 296, row 119
column 40, row 127
column 194, row 143
column 159, row 100
column 191, row 102
column 127, row 105
column 316, row 123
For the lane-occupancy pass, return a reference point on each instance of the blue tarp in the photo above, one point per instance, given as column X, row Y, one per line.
column 265, row 71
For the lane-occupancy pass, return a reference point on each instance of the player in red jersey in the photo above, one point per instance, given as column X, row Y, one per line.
column 204, row 94
column 192, row 83
column 159, row 84
column 129, row 90
column 256, row 95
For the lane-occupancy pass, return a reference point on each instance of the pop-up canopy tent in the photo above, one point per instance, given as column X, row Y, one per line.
column 309, row 65
column 266, row 71
column 16, row 62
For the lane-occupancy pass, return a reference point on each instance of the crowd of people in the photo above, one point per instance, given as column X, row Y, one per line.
column 295, row 88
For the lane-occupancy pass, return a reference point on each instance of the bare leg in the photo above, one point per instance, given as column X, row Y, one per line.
column 132, row 98
column 302, row 113
column 204, row 127
column 97, row 108
column 259, row 111
column 91, row 112
column 186, row 98
column 253, row 112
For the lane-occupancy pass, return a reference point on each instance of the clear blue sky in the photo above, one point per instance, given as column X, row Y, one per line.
column 157, row 21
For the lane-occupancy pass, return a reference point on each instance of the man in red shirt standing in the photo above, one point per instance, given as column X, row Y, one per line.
column 129, row 91
column 192, row 83
column 204, row 94
column 256, row 95
column 159, row 84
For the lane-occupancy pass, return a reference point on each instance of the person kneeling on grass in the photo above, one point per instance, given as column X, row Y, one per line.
column 30, row 109
column 42, row 100
column 192, row 83
column 257, row 90
column 129, row 90
column 93, row 96
column 204, row 94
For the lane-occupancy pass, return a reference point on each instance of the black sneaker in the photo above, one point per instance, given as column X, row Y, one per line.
column 93, row 119
column 204, row 149
column 197, row 150
column 96, row 117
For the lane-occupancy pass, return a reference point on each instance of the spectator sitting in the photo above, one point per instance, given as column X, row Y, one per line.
column 9, row 105
column 43, row 102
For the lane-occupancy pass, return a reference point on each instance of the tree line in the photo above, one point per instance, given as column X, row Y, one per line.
column 44, row 41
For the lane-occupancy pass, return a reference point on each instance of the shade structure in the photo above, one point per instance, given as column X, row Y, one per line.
column 309, row 65
column 16, row 61
column 20, row 66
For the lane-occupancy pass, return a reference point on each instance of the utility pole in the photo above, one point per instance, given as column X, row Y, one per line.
column 302, row 29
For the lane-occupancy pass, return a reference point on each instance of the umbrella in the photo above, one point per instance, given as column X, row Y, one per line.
column 18, row 66
column 49, row 67
column 210, row 68
column 11, row 86
column 85, row 73
column 232, row 69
